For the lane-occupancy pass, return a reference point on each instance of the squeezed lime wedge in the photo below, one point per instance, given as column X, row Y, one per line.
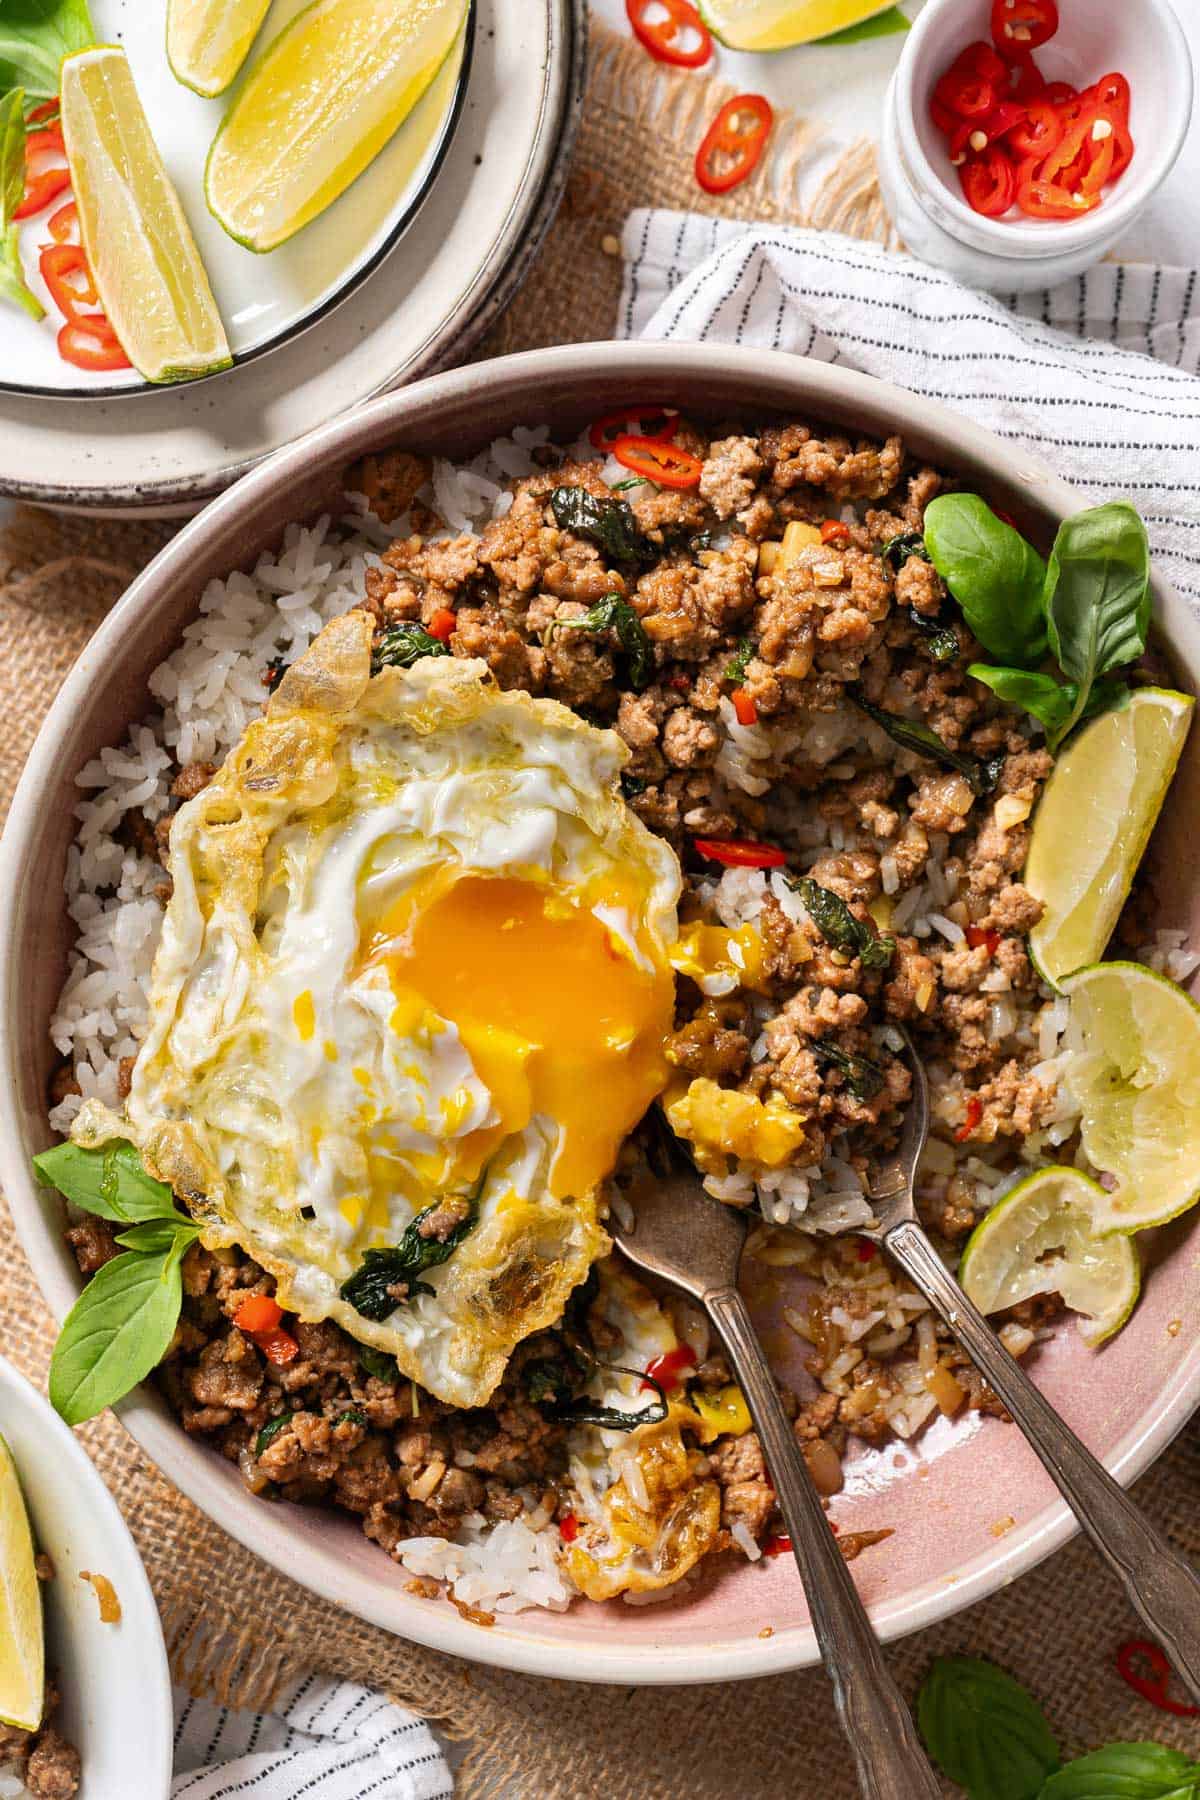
column 22, row 1651
column 1041, row 1238
column 1136, row 1076
column 140, row 246
column 1093, row 822
column 209, row 40
column 318, row 106
column 779, row 24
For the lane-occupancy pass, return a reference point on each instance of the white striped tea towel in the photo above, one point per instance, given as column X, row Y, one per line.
column 325, row 1740
column 1097, row 377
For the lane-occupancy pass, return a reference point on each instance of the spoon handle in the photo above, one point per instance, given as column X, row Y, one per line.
column 876, row 1721
column 1162, row 1586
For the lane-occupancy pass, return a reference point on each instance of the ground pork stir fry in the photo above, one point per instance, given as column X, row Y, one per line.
column 754, row 641
column 49, row 1766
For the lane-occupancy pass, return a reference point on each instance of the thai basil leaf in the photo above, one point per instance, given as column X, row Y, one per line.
column 838, row 925
column 997, row 577
column 351, row 1416
column 884, row 24
column 984, row 1731
column 902, row 548
column 404, row 644
column 367, row 1290
column 941, row 640
column 632, row 786
column 586, row 1411
column 119, row 1329
column 613, row 613
column 609, row 524
column 109, row 1181
column 35, row 35
column 1127, row 1772
column 551, row 1380
column 159, row 1237
column 379, row 1364
column 736, row 670
column 864, row 1078
column 13, row 285
column 910, row 734
column 1097, row 596
column 271, row 1431
column 1051, row 701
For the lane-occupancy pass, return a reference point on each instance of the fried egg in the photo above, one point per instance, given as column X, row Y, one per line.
column 418, row 951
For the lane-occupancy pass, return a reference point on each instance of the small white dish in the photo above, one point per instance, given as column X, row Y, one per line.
column 264, row 300
column 1141, row 38
column 116, row 1689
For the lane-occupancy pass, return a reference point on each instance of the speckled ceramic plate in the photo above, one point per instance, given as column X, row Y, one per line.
column 264, row 300
column 418, row 301
column 968, row 1503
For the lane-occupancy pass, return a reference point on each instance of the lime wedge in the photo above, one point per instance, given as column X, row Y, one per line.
column 1136, row 1076
column 143, row 255
column 1041, row 1239
column 318, row 106
column 1093, row 822
column 778, row 24
column 209, row 40
column 22, row 1651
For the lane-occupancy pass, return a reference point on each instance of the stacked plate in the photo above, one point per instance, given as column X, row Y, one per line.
column 401, row 275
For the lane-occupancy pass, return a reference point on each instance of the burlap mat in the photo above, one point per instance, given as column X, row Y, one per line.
column 236, row 1627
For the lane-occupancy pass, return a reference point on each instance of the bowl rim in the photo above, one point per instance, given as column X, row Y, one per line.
column 533, row 379
column 154, row 1697
column 1028, row 239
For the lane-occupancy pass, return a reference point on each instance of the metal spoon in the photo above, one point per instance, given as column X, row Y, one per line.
column 1162, row 1586
column 682, row 1234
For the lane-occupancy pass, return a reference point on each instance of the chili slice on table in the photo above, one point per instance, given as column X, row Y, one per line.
column 652, row 422
column 740, row 853
column 668, row 38
column 664, row 464
column 1148, row 1672
column 59, row 264
column 989, row 183
column 43, row 181
column 91, row 343
column 1019, row 26
column 734, row 143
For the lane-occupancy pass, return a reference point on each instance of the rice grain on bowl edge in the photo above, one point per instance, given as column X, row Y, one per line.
column 875, row 1342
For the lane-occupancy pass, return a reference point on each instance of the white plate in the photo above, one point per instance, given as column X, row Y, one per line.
column 116, row 1689
column 264, row 300
column 164, row 450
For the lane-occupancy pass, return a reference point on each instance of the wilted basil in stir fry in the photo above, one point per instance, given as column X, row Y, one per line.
column 616, row 615
column 609, row 524
column 864, row 1078
column 910, row 734
column 403, row 644
column 370, row 1289
column 838, row 925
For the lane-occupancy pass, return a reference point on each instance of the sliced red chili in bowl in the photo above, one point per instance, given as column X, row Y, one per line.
column 1020, row 26
column 681, row 38
column 733, row 144
column 665, row 464
column 1112, row 91
column 967, row 95
column 1039, row 132
column 989, row 183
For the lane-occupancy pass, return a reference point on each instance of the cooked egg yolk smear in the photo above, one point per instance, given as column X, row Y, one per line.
column 562, row 1015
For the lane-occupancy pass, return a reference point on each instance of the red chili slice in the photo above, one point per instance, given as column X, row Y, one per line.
column 47, row 109
column 740, row 853
column 1146, row 1669
column 66, row 273
column 63, row 225
column 866, row 1250
column 967, row 95
column 91, row 343
column 974, row 1114
column 1028, row 82
column 43, row 180
column 1040, row 131
column 638, row 421
column 835, row 531
column 945, row 120
column 780, row 1545
column 258, row 1312
column 744, row 707
column 734, row 143
column 442, row 625
column 568, row 1528
column 1112, row 91
column 279, row 1347
column 664, row 464
column 989, row 183
column 1041, row 199
column 1021, row 26
column 1008, row 116
column 978, row 935
column 1059, row 93
column 667, row 1368
column 667, row 39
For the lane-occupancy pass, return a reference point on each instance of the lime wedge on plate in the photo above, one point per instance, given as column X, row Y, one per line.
column 22, row 1652
column 143, row 255
column 778, row 24
column 1041, row 1239
column 209, row 40
column 318, row 106
column 1092, row 824
column 1137, row 1078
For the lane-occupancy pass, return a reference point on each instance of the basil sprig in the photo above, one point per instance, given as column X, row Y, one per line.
column 1127, row 1772
column 1089, row 606
column 614, row 613
column 122, row 1324
column 13, row 285
column 35, row 35
column 984, row 1731
column 838, row 925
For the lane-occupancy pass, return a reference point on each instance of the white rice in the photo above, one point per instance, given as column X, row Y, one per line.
column 12, row 1787
column 500, row 1568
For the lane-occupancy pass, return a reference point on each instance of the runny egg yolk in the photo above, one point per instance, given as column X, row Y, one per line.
column 559, row 1018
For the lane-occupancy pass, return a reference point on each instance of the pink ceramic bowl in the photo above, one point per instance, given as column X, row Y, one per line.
column 969, row 1505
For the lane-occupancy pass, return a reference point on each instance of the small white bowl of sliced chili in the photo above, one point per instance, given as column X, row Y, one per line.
column 1033, row 131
